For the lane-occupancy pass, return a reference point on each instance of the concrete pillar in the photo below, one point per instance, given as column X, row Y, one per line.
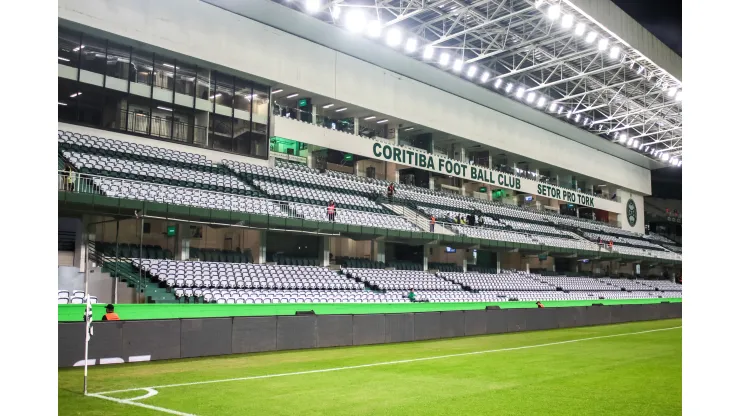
column 462, row 155
column 527, row 266
column 182, row 249
column 262, row 254
column 379, row 250
column 426, row 257
column 498, row 265
column 396, row 134
column 465, row 265
column 79, row 258
column 313, row 113
column 490, row 162
column 553, row 266
column 397, row 176
column 431, row 182
column 357, row 126
column 325, row 245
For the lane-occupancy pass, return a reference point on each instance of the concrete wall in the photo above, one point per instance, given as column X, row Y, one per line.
column 207, row 33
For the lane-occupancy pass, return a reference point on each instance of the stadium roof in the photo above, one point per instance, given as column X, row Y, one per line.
column 557, row 53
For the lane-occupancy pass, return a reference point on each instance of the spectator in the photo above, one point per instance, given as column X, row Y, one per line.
column 331, row 210
column 109, row 314
column 411, row 295
column 540, row 305
column 432, row 222
column 391, row 190
column 480, row 222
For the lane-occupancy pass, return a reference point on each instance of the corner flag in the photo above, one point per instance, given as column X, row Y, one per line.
column 88, row 334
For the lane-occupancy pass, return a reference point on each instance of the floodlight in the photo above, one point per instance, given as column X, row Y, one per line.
column 485, row 76
column 679, row 95
column 356, row 21
column 553, row 12
column 335, row 12
column 374, row 28
column 553, row 107
column 623, row 138
column 560, row 109
column 636, row 144
column 541, row 102
column 680, row 162
column 498, row 82
column 530, row 97
column 520, row 92
column 580, row 29
column 313, row 6
column 393, row 38
column 672, row 92
column 457, row 66
column 471, row 71
column 444, row 59
column 578, row 117
column 614, row 52
column 570, row 113
column 567, row 21
column 603, row 44
column 428, row 51
column 538, row 3
column 591, row 37
column 664, row 157
column 411, row 44
column 509, row 86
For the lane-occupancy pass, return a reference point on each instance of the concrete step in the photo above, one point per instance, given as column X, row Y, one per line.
column 416, row 218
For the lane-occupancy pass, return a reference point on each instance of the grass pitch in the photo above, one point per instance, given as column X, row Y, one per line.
column 625, row 369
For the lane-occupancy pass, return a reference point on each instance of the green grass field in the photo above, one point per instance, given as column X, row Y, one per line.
column 626, row 369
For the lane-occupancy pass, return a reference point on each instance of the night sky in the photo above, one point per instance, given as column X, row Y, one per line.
column 661, row 18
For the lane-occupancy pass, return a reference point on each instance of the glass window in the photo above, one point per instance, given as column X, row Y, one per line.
column 260, row 103
column 138, row 115
column 90, row 104
column 93, row 54
column 69, row 47
column 182, row 125
column 141, row 67
column 164, row 72
column 221, row 133
column 118, row 60
column 243, row 95
column 185, row 79
column 203, row 88
column 223, row 86
column 67, row 107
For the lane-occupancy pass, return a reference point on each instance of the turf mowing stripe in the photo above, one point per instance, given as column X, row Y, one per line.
column 326, row 370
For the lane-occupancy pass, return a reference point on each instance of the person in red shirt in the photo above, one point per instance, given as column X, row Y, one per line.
column 431, row 224
column 331, row 210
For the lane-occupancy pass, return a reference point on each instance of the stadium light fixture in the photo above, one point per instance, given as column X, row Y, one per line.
column 603, row 44
column 591, row 37
column 328, row 105
column 580, row 29
column 567, row 21
column 553, row 12
column 568, row 114
column 622, row 137
column 428, row 52
column 509, row 87
column 313, row 6
column 355, row 21
column 520, row 92
column 578, row 117
column 498, row 83
column 553, row 107
column 560, row 109
column 444, row 59
column 411, row 44
column 336, row 11
column 636, row 144
column 538, row 3
column 679, row 95
column 680, row 162
column 369, row 118
column 277, row 91
column 541, row 102
column 393, row 38
column 585, row 121
column 530, row 97
column 457, row 66
column 385, row 120
column 339, row 110
column 374, row 29
column 485, row 76
column 471, row 71
column 295, row 94
column 672, row 92
column 614, row 52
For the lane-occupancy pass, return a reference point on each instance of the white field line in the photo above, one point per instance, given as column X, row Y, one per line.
column 146, row 406
column 352, row 367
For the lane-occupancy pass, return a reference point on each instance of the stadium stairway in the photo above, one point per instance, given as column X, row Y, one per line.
column 415, row 218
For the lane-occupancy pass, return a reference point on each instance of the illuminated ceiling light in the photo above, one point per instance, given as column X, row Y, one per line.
column 313, row 6
column 591, row 37
column 355, row 21
column 679, row 95
column 622, row 137
column 219, row 94
column 328, row 105
column 520, row 92
column 629, row 142
column 485, row 76
column 560, row 109
column 541, row 102
column 509, row 87
column 78, row 48
column 614, row 52
column 290, row 96
column 567, row 21
column 457, row 66
column 603, row 44
column 385, row 120
column 277, row 91
column 471, row 71
column 637, row 144
column 62, row 104
column 63, row 59
column 411, row 45
column 553, row 107
column 369, row 118
column 580, row 29
column 570, row 113
column 393, row 38
column 75, row 95
column 428, row 52
column 498, row 82
column 164, row 108
column 339, row 110
column 672, row 92
column 585, row 121
column 444, row 59
column 408, row 129
column 553, row 12
column 335, row 12
column 530, row 97
column 374, row 28
column 578, row 117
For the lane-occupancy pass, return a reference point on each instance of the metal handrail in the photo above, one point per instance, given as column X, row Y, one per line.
column 298, row 111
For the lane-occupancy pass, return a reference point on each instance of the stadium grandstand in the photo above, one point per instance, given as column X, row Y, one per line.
column 277, row 160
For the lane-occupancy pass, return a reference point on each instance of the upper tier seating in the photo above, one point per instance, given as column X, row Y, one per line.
column 622, row 240
column 502, row 281
column 576, row 283
column 359, row 263
column 663, row 285
column 297, row 193
column 401, row 279
column 260, row 296
column 626, row 284
column 76, row 297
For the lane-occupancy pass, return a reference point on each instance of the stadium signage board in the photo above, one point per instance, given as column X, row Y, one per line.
column 450, row 167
